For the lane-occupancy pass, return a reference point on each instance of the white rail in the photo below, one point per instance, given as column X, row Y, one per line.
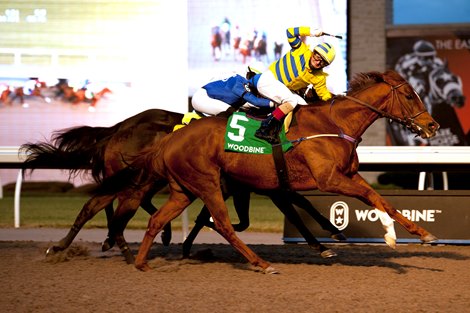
column 371, row 158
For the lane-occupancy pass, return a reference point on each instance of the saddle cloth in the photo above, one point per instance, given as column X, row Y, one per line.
column 240, row 136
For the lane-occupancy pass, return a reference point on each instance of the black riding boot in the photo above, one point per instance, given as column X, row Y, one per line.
column 269, row 130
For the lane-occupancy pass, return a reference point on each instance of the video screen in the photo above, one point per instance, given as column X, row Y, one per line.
column 253, row 31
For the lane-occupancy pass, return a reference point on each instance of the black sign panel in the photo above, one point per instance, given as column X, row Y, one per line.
column 446, row 214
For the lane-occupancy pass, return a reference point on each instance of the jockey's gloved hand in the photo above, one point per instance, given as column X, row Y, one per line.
column 316, row 32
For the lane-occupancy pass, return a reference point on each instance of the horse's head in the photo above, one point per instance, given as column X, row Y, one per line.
column 446, row 87
column 407, row 108
column 398, row 101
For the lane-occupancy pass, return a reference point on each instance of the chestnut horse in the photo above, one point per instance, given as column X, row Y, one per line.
column 101, row 150
column 324, row 157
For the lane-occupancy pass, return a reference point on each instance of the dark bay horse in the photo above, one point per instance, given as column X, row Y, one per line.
column 102, row 151
column 192, row 159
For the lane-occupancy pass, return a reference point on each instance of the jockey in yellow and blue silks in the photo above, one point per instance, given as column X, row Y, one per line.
column 297, row 69
column 226, row 95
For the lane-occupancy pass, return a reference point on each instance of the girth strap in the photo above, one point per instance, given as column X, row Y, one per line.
column 281, row 168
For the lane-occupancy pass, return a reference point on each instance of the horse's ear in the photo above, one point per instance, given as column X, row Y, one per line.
column 392, row 77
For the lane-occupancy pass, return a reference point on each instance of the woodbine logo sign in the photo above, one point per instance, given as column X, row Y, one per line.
column 442, row 212
column 340, row 214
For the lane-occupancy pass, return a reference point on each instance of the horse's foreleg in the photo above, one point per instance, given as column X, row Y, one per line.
column 388, row 213
column 357, row 187
column 241, row 202
column 200, row 222
column 282, row 201
column 90, row 208
column 387, row 223
column 411, row 227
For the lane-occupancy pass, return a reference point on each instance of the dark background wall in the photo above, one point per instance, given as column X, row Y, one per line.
column 367, row 49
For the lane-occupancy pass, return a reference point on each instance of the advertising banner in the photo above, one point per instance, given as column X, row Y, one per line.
column 438, row 67
column 446, row 214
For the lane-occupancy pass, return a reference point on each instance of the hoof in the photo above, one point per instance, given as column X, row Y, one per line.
column 328, row 254
column 270, row 270
column 186, row 254
column 390, row 241
column 429, row 238
column 129, row 257
column 52, row 250
column 107, row 245
column 143, row 267
column 339, row 237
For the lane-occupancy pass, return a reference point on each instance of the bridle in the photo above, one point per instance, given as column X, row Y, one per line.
column 407, row 119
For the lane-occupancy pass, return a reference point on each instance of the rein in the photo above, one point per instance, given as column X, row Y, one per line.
column 407, row 121
column 341, row 135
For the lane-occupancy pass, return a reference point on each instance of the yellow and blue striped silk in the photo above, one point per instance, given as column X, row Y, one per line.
column 293, row 69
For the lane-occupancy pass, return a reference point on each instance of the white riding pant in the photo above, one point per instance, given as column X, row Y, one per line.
column 273, row 89
column 203, row 103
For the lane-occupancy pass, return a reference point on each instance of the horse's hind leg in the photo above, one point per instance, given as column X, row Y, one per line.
column 282, row 201
column 108, row 242
column 90, row 208
column 173, row 207
column 129, row 202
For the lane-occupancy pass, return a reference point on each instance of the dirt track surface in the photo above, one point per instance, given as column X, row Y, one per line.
column 362, row 278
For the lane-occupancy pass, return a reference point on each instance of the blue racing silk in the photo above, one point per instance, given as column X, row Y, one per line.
column 235, row 91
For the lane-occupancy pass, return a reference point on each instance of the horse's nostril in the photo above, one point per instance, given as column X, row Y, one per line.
column 433, row 126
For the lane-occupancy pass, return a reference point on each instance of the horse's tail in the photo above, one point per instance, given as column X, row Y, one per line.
column 89, row 144
column 76, row 149
column 47, row 156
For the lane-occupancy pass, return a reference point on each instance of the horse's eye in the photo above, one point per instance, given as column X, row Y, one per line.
column 409, row 97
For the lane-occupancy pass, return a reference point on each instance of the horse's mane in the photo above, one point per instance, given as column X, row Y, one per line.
column 364, row 80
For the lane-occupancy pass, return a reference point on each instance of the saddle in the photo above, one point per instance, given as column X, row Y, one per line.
column 252, row 113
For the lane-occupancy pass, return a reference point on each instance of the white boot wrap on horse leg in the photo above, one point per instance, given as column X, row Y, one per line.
column 387, row 223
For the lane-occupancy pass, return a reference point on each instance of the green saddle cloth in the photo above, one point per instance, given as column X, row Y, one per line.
column 240, row 136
